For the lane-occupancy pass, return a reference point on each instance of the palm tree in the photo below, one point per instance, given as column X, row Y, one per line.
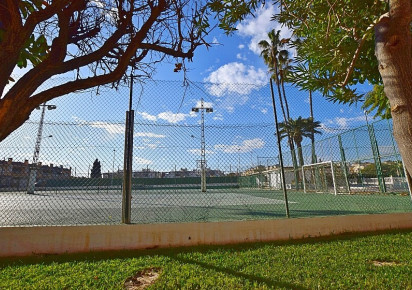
column 298, row 76
column 298, row 129
column 273, row 55
column 270, row 53
column 284, row 69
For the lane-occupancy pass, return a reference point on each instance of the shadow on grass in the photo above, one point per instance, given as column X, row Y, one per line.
column 269, row 282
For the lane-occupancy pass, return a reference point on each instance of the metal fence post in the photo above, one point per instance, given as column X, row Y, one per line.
column 376, row 157
column 128, row 161
column 127, row 176
column 343, row 161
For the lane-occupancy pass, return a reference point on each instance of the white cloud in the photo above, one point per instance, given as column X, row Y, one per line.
column 264, row 110
column 205, row 104
column 147, row 116
column 110, row 12
column 167, row 116
column 218, row 117
column 152, row 146
column 173, row 117
column 241, row 46
column 344, row 122
column 230, row 109
column 323, row 127
column 246, row 146
column 110, row 128
column 149, row 135
column 142, row 161
column 340, row 123
column 114, row 129
column 139, row 147
column 240, row 56
column 258, row 27
column 229, row 77
column 253, row 143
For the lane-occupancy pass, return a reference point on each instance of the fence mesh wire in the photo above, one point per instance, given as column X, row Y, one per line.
column 77, row 154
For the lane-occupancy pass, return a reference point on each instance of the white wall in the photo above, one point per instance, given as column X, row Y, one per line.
column 24, row 241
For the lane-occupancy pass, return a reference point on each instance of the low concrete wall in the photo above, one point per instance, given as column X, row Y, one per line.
column 23, row 241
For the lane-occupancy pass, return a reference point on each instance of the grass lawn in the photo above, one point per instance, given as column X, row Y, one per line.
column 382, row 261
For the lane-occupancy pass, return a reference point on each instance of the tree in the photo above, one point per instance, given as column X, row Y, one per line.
column 278, row 62
column 351, row 42
column 96, row 170
column 99, row 42
column 389, row 168
column 284, row 72
column 297, row 129
column 271, row 53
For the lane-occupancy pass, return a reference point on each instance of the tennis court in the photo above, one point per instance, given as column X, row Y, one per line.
column 103, row 206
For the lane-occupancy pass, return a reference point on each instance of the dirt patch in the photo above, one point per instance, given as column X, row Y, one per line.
column 385, row 263
column 142, row 279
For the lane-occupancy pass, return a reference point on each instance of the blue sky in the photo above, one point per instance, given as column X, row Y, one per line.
column 236, row 59
column 237, row 90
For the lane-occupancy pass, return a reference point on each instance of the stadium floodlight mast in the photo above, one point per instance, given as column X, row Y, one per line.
column 33, row 170
column 202, row 108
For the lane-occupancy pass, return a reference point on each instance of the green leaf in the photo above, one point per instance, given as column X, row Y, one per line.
column 377, row 101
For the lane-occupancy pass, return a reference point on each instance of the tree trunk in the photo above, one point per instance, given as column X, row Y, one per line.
column 12, row 115
column 286, row 100
column 285, row 117
column 300, row 155
column 294, row 163
column 393, row 51
column 313, row 129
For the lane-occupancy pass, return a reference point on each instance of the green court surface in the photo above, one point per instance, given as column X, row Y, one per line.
column 241, row 204
column 68, row 206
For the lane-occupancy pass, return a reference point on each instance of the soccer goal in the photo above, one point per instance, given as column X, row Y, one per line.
column 325, row 177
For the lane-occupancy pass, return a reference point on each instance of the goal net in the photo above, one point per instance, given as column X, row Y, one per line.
column 325, row 177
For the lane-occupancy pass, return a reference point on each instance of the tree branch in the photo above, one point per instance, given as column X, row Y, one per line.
column 356, row 55
column 294, row 15
column 41, row 15
column 169, row 51
column 107, row 78
column 15, row 39
column 15, row 20
column 39, row 74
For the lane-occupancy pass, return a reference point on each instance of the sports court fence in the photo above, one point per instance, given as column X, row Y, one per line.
column 195, row 158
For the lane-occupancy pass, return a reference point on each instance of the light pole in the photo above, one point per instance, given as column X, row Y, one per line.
column 33, row 171
column 202, row 108
column 114, row 157
column 238, row 163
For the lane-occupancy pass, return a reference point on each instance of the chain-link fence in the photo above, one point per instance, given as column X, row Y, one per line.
column 196, row 157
